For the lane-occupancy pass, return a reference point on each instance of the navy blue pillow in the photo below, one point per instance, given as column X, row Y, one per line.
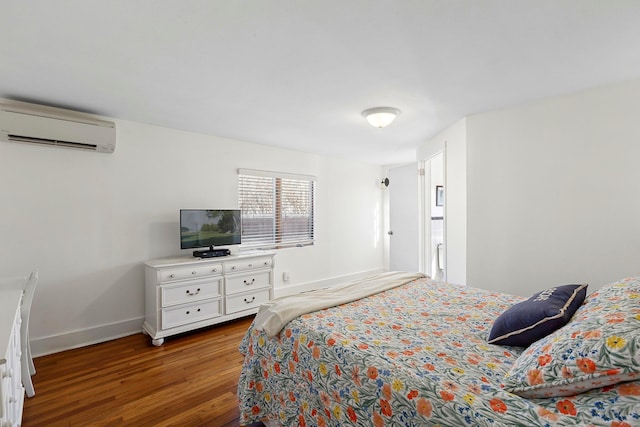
column 526, row 322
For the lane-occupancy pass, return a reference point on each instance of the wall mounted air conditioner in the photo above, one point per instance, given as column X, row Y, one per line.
column 55, row 127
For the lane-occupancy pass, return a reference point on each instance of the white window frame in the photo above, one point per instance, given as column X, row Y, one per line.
column 288, row 201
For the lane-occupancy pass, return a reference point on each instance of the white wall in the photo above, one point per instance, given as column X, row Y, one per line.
column 87, row 221
column 554, row 191
column 453, row 141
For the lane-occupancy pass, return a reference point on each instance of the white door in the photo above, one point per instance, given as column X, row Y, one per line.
column 404, row 218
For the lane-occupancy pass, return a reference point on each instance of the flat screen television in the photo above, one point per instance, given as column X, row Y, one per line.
column 201, row 228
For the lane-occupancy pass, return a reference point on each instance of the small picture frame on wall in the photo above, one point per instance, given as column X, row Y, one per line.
column 439, row 195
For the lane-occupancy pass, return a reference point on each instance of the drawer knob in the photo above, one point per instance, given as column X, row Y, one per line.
column 266, row 263
column 189, row 292
column 233, row 268
column 250, row 283
column 194, row 272
column 171, row 276
column 250, row 301
column 250, row 265
column 214, row 270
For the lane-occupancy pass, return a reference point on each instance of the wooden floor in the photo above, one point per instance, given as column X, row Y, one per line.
column 189, row 381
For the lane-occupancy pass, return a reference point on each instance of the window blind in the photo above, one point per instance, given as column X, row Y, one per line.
column 277, row 209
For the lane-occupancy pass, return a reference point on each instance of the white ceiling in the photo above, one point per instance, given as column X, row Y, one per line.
column 298, row 73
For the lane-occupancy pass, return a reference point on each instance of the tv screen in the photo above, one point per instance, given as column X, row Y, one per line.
column 209, row 227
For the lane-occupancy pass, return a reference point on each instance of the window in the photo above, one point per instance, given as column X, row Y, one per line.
column 277, row 209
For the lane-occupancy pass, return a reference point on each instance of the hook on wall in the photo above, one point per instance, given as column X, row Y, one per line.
column 385, row 182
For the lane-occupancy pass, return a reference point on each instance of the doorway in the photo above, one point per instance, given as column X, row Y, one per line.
column 434, row 198
column 417, row 219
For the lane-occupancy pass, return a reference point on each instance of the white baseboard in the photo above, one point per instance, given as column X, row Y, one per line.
column 84, row 337
column 283, row 291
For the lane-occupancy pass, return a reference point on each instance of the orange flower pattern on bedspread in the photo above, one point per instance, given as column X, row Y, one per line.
column 415, row 355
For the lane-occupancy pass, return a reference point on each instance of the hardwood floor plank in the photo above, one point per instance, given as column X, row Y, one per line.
column 189, row 381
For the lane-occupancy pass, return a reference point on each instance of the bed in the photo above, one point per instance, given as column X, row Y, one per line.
column 417, row 354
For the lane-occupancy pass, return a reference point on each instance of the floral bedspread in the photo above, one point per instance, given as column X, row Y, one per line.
column 415, row 355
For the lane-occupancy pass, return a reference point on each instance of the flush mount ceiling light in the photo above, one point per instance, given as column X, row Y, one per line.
column 380, row 117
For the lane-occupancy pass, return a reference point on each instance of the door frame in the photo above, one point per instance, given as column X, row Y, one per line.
column 424, row 227
column 426, row 254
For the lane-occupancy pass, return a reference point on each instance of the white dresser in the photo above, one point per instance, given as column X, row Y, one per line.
column 11, row 389
column 186, row 293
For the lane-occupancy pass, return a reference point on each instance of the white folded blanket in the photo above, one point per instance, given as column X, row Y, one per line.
column 273, row 315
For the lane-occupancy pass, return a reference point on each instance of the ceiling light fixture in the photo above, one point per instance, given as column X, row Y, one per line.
column 380, row 117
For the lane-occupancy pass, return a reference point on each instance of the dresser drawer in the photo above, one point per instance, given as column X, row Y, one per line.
column 185, row 292
column 246, row 301
column 248, row 264
column 169, row 275
column 189, row 313
column 246, row 282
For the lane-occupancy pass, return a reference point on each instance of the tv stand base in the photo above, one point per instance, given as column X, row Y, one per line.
column 211, row 253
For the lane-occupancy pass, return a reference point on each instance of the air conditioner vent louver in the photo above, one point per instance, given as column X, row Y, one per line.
column 42, row 141
column 39, row 125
